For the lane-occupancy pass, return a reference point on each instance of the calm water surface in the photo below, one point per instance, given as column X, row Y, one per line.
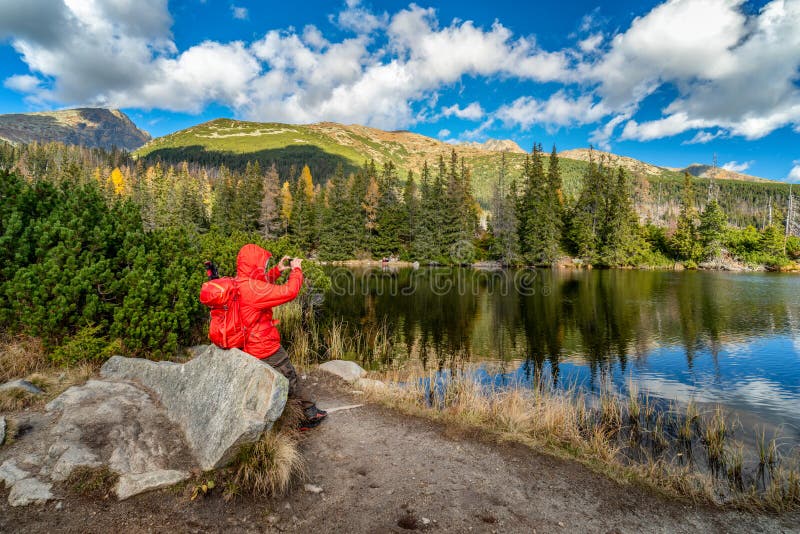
column 728, row 338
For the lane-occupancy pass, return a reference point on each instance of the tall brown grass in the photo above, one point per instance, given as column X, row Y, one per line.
column 21, row 356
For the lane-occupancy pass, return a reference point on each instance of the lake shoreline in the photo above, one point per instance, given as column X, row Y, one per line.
column 568, row 263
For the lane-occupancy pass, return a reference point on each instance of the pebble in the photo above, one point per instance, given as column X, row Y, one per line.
column 311, row 488
column 425, row 521
column 273, row 519
column 561, row 524
column 59, row 505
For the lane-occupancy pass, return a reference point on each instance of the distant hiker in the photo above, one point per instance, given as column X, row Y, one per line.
column 257, row 295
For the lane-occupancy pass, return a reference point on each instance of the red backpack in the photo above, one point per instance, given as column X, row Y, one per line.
column 222, row 296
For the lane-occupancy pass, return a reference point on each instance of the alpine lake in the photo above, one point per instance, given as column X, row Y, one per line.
column 711, row 338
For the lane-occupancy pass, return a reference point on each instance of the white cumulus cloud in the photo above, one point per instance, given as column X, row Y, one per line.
column 472, row 112
column 24, row 83
column 558, row 110
column 735, row 166
column 794, row 174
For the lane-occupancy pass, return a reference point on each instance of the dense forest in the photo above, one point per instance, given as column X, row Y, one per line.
column 373, row 212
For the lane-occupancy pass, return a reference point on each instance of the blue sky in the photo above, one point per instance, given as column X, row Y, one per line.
column 670, row 82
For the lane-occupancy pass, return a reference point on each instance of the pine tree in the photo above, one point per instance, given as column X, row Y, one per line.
column 410, row 212
column 713, row 224
column 303, row 218
column 504, row 220
column 584, row 218
column 338, row 234
column 391, row 216
column 269, row 218
column 620, row 238
column 685, row 241
column 223, row 212
column 425, row 245
column 370, row 203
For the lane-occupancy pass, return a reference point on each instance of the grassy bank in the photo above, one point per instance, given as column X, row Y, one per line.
column 683, row 452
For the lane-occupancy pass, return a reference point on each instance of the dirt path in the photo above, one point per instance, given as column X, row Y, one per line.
column 381, row 472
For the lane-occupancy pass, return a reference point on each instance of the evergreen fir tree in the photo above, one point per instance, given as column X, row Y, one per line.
column 391, row 218
column 303, row 217
column 504, row 221
column 713, row 224
column 685, row 241
column 410, row 212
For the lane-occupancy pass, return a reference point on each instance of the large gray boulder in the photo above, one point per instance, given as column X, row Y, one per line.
column 344, row 369
column 221, row 399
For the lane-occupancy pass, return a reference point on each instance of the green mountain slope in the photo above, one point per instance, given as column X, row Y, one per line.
column 324, row 146
column 90, row 127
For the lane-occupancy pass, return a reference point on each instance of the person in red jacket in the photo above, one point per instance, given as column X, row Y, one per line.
column 258, row 295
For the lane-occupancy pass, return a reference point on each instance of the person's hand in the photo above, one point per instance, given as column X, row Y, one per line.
column 297, row 263
column 282, row 264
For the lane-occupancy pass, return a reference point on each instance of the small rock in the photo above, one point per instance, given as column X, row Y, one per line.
column 369, row 383
column 425, row 521
column 273, row 519
column 130, row 485
column 29, row 491
column 344, row 369
column 311, row 488
column 561, row 524
column 59, row 505
column 22, row 385
column 2, row 430
column 10, row 474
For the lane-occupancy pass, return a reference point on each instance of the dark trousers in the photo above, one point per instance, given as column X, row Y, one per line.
column 280, row 362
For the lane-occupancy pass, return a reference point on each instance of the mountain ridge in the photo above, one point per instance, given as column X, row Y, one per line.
column 91, row 127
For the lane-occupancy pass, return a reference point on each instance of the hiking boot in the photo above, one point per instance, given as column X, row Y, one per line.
column 314, row 417
column 312, row 412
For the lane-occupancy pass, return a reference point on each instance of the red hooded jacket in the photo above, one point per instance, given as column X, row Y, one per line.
column 258, row 295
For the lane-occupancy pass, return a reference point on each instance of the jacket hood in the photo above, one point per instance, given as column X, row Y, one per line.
column 251, row 261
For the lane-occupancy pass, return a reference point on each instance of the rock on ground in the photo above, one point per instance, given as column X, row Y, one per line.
column 21, row 385
column 10, row 474
column 112, row 423
column 130, row 485
column 29, row 491
column 221, row 400
column 344, row 369
column 369, row 383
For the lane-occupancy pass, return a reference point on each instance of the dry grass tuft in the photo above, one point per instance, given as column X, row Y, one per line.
column 271, row 465
column 15, row 399
column 92, row 482
column 21, row 356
